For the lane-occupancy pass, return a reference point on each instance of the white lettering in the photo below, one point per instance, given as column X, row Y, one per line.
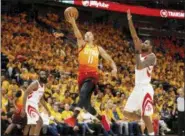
column 91, row 52
column 176, row 14
column 99, row 4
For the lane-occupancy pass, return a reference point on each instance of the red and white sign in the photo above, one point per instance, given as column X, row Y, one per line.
column 106, row 5
column 164, row 13
column 176, row 14
column 97, row 4
column 171, row 14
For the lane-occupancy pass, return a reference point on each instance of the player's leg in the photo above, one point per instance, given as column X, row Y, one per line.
column 142, row 126
column 32, row 117
column 26, row 130
column 85, row 94
column 133, row 116
column 133, row 106
column 147, row 109
column 9, row 129
column 38, row 127
column 32, row 130
column 148, row 122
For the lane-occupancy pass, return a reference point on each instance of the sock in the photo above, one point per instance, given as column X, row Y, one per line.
column 151, row 134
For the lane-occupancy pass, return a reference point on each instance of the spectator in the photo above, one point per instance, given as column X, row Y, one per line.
column 180, row 109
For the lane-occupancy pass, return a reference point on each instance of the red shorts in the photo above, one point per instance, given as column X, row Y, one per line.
column 84, row 75
column 18, row 119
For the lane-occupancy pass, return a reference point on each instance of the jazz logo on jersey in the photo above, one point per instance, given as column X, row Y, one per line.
column 91, row 52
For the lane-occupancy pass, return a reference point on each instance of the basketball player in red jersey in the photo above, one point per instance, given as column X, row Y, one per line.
column 141, row 97
column 32, row 97
column 88, row 58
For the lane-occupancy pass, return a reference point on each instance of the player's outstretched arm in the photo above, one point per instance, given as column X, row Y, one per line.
column 149, row 61
column 14, row 103
column 108, row 58
column 77, row 32
column 17, row 95
column 134, row 35
column 43, row 102
column 31, row 87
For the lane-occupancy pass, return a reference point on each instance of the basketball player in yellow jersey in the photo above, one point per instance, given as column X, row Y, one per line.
column 88, row 65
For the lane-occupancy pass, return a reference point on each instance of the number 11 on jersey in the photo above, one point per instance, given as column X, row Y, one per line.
column 90, row 59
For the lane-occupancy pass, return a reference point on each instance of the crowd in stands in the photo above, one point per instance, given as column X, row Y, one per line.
column 31, row 48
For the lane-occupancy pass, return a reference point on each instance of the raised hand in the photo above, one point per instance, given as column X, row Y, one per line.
column 114, row 73
column 71, row 20
column 129, row 16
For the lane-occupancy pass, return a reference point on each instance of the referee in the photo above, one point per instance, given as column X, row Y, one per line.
column 180, row 108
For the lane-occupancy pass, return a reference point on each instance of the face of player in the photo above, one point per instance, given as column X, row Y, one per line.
column 146, row 47
column 43, row 77
column 89, row 37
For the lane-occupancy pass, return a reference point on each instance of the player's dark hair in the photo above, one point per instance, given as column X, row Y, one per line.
column 18, row 94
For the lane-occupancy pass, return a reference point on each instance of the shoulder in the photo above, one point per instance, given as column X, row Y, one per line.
column 34, row 84
column 152, row 58
column 80, row 48
column 100, row 49
column 152, row 55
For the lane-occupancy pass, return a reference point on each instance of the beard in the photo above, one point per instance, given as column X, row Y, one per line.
column 144, row 50
column 43, row 80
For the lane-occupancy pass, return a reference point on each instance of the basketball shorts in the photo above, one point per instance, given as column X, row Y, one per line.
column 18, row 119
column 85, row 75
column 32, row 112
column 141, row 99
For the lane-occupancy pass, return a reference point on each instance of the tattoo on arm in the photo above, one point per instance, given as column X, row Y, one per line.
column 150, row 60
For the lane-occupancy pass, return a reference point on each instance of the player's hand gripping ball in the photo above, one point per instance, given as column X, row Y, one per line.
column 71, row 12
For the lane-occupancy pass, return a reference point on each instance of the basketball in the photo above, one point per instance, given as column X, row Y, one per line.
column 71, row 12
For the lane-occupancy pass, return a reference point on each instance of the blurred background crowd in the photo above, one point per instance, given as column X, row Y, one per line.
column 29, row 45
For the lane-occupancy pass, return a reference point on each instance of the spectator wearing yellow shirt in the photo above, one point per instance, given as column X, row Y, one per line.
column 97, row 101
column 13, row 87
column 49, row 104
column 4, row 101
column 24, row 74
column 117, row 97
column 159, row 105
column 67, row 98
column 4, row 82
column 48, row 91
column 120, row 121
column 66, row 113
column 55, row 84
column 57, row 94
column 108, row 95
column 55, row 121
column 33, row 75
column 111, row 117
